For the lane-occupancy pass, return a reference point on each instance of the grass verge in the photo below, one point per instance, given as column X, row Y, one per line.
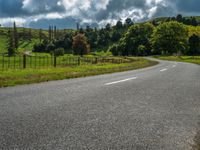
column 189, row 59
column 28, row 76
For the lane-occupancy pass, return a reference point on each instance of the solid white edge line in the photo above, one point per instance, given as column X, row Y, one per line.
column 163, row 70
column 120, row 81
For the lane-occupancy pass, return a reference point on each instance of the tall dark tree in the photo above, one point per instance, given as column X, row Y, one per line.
column 108, row 26
column 30, row 34
column 194, row 43
column 40, row 35
column 15, row 34
column 11, row 43
column 50, row 33
column 55, row 32
column 119, row 24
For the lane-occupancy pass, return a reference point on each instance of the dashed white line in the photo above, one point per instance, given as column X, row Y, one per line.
column 163, row 70
column 120, row 81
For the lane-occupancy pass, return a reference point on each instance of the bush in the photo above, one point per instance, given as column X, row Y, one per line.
column 80, row 45
column 59, row 52
column 50, row 47
column 39, row 47
column 142, row 50
column 114, row 50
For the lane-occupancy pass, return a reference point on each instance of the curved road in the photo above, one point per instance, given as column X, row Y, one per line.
column 156, row 108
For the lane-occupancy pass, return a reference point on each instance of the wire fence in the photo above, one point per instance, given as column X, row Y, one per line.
column 29, row 61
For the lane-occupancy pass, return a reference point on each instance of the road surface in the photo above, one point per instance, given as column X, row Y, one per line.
column 156, row 108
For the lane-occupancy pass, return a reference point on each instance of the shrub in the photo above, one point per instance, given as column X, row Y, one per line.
column 59, row 52
column 114, row 50
column 80, row 45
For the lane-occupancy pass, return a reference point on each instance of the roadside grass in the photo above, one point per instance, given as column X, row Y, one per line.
column 189, row 59
column 28, row 76
column 3, row 46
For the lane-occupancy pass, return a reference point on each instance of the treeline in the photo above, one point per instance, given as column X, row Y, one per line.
column 167, row 38
column 179, row 18
column 97, row 39
column 176, row 35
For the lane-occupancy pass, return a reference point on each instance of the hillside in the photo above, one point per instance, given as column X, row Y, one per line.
column 100, row 39
column 24, row 43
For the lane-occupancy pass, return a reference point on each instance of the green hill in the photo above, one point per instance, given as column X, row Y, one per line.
column 24, row 43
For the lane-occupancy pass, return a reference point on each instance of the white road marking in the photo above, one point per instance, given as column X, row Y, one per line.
column 120, row 81
column 163, row 70
column 173, row 66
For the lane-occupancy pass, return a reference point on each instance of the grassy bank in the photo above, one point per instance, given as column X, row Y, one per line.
column 27, row 76
column 189, row 59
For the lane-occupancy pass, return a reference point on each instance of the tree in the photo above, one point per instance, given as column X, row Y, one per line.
column 194, row 21
column 128, row 22
column 11, row 47
column 108, row 26
column 30, row 34
column 170, row 37
column 115, row 36
column 179, row 18
column 194, row 44
column 40, row 35
column 114, row 50
column 141, row 50
column 15, row 34
column 50, row 47
column 80, row 45
column 119, row 24
column 137, row 35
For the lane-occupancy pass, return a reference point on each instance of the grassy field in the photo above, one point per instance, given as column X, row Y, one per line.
column 27, row 76
column 189, row 59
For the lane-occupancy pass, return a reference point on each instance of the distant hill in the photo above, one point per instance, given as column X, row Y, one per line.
column 189, row 20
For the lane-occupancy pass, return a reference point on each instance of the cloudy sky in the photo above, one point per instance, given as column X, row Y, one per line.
column 65, row 13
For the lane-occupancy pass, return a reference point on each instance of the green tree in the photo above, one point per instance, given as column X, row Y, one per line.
column 80, row 45
column 137, row 35
column 15, row 34
column 194, row 44
column 170, row 37
column 11, row 47
column 179, row 18
column 108, row 26
column 119, row 24
column 128, row 22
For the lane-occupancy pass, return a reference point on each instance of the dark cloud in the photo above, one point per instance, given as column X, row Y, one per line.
column 10, row 8
column 37, row 13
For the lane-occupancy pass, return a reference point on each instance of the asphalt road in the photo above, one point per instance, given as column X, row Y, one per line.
column 156, row 108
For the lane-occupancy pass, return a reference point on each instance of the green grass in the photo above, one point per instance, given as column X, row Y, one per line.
column 3, row 45
column 188, row 59
column 27, row 76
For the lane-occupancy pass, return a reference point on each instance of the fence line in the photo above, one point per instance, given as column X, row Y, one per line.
column 36, row 62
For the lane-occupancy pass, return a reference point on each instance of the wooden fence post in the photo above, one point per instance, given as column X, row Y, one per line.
column 24, row 61
column 79, row 61
column 55, row 61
